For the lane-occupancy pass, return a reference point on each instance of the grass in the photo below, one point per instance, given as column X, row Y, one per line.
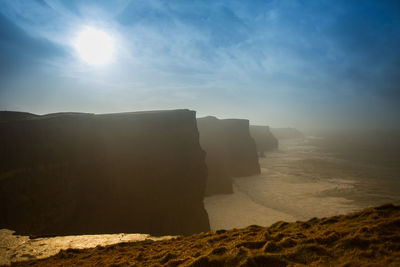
column 367, row 238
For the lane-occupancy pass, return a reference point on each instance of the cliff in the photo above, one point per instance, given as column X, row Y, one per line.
column 230, row 152
column 72, row 173
column 6, row 116
column 264, row 139
column 213, row 141
column 243, row 160
column 287, row 133
column 366, row 238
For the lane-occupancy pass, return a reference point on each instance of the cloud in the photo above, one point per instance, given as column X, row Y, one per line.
column 18, row 50
column 294, row 58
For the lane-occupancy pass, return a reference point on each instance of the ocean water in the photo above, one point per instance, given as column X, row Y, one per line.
column 299, row 181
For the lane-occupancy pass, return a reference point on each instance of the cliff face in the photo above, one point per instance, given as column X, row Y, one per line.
column 213, row 141
column 264, row 139
column 84, row 174
column 243, row 160
column 6, row 116
column 230, row 152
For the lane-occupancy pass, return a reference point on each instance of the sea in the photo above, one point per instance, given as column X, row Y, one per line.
column 307, row 178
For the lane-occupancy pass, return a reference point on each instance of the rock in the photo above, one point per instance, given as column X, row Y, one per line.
column 72, row 173
column 230, row 152
column 213, row 141
column 265, row 141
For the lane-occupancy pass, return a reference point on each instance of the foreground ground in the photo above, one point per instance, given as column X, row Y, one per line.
column 367, row 238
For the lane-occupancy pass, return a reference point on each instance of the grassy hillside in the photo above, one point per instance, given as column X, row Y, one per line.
column 367, row 238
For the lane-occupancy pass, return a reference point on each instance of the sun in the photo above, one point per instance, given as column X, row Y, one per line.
column 94, row 46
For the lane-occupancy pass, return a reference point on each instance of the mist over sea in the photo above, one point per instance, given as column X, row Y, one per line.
column 311, row 177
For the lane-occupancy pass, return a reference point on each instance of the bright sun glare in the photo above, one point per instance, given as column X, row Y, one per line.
column 94, row 46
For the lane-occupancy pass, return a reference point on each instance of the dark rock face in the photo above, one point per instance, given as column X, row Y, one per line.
column 71, row 173
column 287, row 133
column 243, row 160
column 264, row 139
column 230, row 152
column 213, row 141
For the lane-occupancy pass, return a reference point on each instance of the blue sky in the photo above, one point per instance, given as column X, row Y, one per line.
column 308, row 64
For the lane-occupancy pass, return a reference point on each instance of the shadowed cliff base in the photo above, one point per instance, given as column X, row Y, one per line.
column 75, row 173
column 366, row 238
column 230, row 152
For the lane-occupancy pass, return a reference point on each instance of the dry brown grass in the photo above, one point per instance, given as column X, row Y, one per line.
column 367, row 238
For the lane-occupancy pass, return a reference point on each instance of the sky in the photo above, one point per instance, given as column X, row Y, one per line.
column 309, row 64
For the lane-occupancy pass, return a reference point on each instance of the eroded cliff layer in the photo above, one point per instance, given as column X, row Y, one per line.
column 75, row 173
column 264, row 139
column 230, row 152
